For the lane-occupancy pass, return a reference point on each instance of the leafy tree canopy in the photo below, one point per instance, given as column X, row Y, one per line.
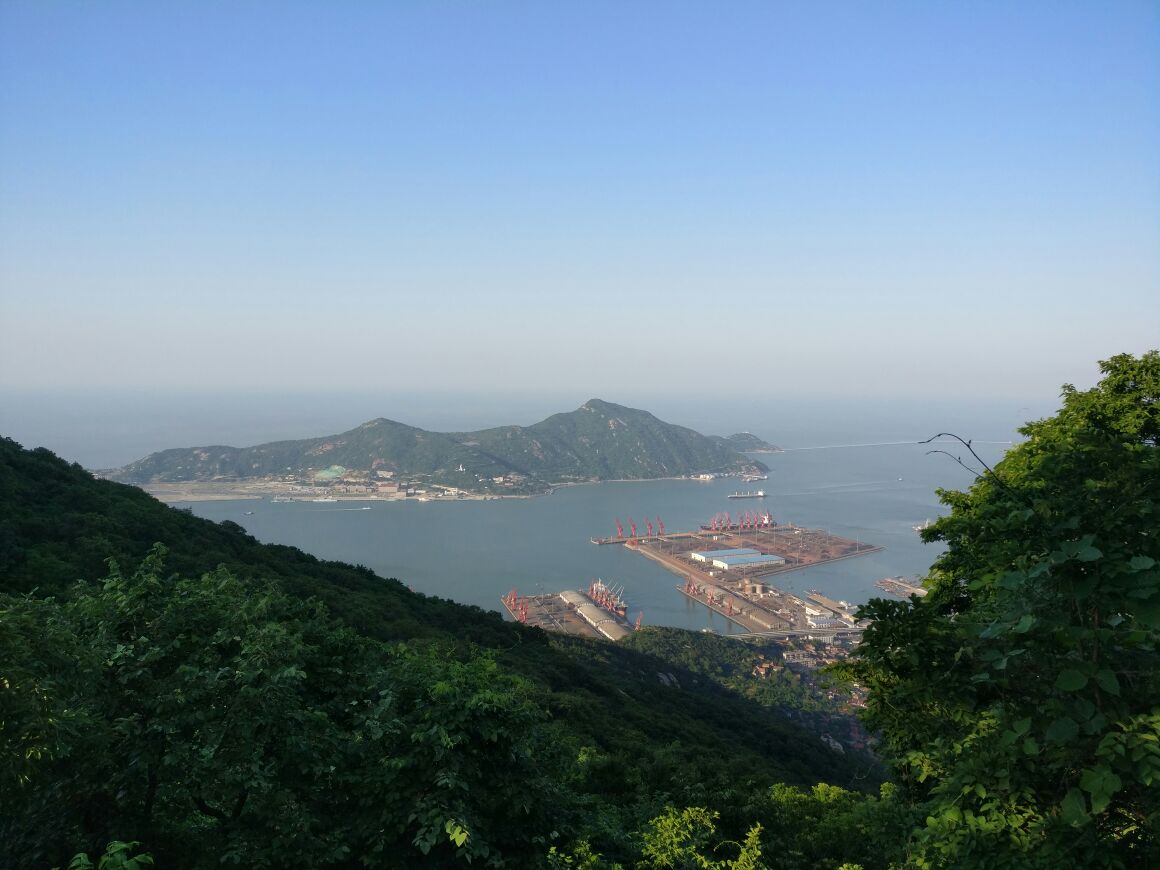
column 219, row 714
column 1019, row 700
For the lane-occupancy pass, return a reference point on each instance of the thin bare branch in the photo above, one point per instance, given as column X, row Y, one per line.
column 967, row 444
column 977, row 474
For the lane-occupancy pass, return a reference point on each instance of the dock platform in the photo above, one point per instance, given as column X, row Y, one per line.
column 898, row 586
column 836, row 607
column 745, row 594
column 549, row 612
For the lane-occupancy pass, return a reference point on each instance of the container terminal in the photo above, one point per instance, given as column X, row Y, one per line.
column 727, row 563
column 598, row 611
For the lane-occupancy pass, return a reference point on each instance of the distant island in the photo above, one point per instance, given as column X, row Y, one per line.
column 382, row 458
column 746, row 442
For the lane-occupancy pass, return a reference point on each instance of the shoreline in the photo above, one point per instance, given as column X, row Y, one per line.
column 184, row 492
column 200, row 491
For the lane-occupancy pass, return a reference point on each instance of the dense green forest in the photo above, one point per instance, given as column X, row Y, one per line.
column 171, row 683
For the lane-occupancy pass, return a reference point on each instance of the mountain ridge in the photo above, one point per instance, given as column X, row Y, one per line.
column 600, row 440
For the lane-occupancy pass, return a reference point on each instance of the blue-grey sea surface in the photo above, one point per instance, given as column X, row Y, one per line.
column 477, row 551
column 474, row 552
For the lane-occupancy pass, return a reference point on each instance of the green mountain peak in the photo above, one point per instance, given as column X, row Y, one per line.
column 600, row 440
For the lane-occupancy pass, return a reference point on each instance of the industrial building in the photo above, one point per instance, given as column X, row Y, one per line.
column 825, row 622
column 710, row 555
column 601, row 620
column 746, row 560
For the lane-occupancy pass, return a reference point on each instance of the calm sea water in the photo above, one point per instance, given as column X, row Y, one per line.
column 475, row 552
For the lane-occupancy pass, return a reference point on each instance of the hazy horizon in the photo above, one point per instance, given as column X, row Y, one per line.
column 111, row 429
column 758, row 201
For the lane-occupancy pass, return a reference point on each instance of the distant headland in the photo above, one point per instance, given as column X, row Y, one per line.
column 384, row 459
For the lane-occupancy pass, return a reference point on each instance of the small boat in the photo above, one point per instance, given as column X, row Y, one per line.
column 249, row 513
column 923, row 526
column 756, row 494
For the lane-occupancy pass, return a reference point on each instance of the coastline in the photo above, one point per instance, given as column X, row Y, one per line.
column 201, row 491
column 169, row 493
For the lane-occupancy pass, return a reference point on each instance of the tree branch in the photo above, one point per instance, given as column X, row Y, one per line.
column 212, row 812
column 966, row 444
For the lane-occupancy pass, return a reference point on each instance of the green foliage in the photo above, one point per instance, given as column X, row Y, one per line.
column 117, row 857
column 220, row 714
column 825, row 826
column 679, row 839
column 1019, row 700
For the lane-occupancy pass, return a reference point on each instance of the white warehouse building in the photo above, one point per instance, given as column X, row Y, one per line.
column 729, row 563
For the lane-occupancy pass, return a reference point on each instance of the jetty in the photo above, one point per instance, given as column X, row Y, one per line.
column 900, row 587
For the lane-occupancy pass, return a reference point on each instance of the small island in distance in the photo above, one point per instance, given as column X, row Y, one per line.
column 599, row 441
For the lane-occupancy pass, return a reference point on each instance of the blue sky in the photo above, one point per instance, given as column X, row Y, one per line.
column 765, row 199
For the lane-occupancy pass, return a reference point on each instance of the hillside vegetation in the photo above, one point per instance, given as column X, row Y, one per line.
column 597, row 441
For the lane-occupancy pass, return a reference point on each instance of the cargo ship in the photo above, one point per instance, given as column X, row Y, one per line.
column 608, row 598
column 756, row 494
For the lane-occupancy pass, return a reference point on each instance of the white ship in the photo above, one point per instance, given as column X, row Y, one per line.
column 756, row 494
